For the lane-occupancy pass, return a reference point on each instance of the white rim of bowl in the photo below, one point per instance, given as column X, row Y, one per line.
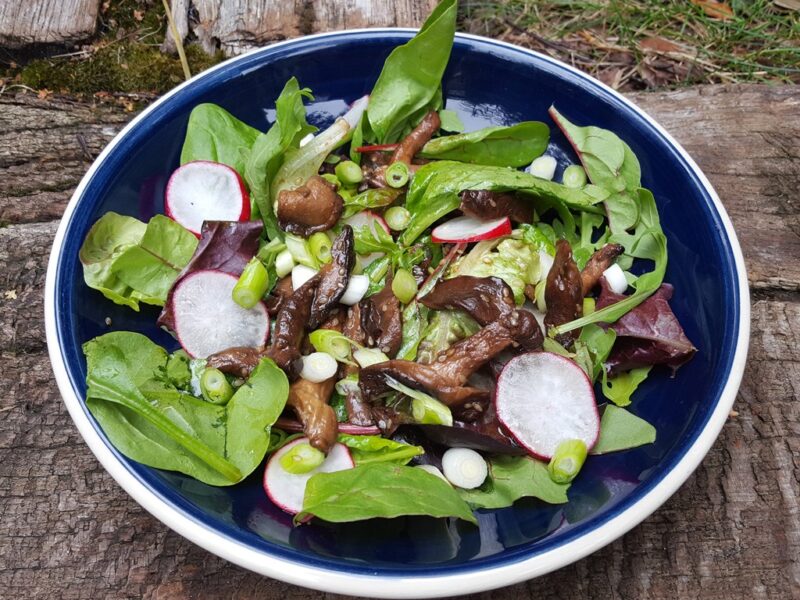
column 328, row 580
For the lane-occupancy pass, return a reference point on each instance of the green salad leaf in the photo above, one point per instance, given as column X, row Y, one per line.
column 415, row 322
column 151, row 421
column 370, row 198
column 451, row 121
column 514, row 477
column 619, row 389
column 368, row 449
column 410, row 82
column 622, row 430
column 592, row 349
column 267, row 153
column 513, row 146
column 130, row 262
column 436, row 186
column 513, row 261
column 381, row 490
column 212, row 133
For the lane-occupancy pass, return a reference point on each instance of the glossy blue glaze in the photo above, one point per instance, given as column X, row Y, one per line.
column 487, row 84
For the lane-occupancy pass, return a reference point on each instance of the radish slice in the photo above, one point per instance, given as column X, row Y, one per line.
column 286, row 489
column 543, row 399
column 205, row 191
column 367, row 218
column 357, row 286
column 469, row 229
column 207, row 319
column 353, row 116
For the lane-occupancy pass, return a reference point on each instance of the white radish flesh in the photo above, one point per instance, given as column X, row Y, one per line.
column 286, row 489
column 367, row 218
column 207, row 319
column 357, row 286
column 615, row 278
column 543, row 167
column 318, row 366
column 300, row 275
column 464, row 468
column 469, row 229
column 543, row 399
column 205, row 191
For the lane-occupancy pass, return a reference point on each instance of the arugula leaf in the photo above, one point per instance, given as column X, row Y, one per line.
column 592, row 349
column 368, row 449
column 514, row 477
column 436, row 186
column 130, row 262
column 371, row 198
column 619, row 389
column 212, row 133
column 380, row 490
column 621, row 430
column 514, row 146
column 450, row 121
column 411, row 76
column 151, row 421
column 154, row 263
column 268, row 149
column 610, row 164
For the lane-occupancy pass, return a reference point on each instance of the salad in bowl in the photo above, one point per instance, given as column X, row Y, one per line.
column 391, row 316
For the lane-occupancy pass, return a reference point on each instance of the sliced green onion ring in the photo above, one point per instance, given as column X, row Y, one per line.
column 397, row 174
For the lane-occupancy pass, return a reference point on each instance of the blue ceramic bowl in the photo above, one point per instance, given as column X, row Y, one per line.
column 487, row 82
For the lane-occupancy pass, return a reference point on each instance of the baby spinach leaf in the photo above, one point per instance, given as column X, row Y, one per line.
column 610, row 164
column 151, row 266
column 619, row 389
column 411, row 76
column 151, row 421
column 451, row 121
column 130, row 262
column 380, row 490
column 514, row 146
column 367, row 449
column 621, row 430
column 514, row 477
column 268, row 149
column 435, row 190
column 214, row 134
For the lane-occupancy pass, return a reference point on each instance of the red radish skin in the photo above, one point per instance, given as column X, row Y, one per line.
column 367, row 217
column 207, row 320
column 345, row 428
column 468, row 229
column 203, row 190
column 543, row 399
column 286, row 490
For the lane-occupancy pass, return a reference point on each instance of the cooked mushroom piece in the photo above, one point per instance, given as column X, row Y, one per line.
column 279, row 294
column 314, row 206
column 419, row 136
column 289, row 328
column 597, row 263
column 484, row 204
column 563, row 293
column 381, row 321
column 487, row 300
column 239, row 361
column 333, row 277
column 358, row 411
column 310, row 403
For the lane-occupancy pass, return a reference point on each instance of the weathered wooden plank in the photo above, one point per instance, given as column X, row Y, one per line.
column 332, row 15
column 24, row 22
column 731, row 532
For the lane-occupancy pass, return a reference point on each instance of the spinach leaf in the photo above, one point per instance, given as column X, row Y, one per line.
column 214, row 134
column 619, row 389
column 451, row 121
column 154, row 263
column 151, row 421
column 367, row 449
column 610, row 164
column 269, row 148
column 514, row 477
column 514, row 146
column 621, row 430
column 130, row 262
column 380, row 490
column 371, row 198
column 435, row 190
column 411, row 76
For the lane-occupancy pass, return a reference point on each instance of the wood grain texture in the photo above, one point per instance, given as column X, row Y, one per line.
column 24, row 22
column 731, row 532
